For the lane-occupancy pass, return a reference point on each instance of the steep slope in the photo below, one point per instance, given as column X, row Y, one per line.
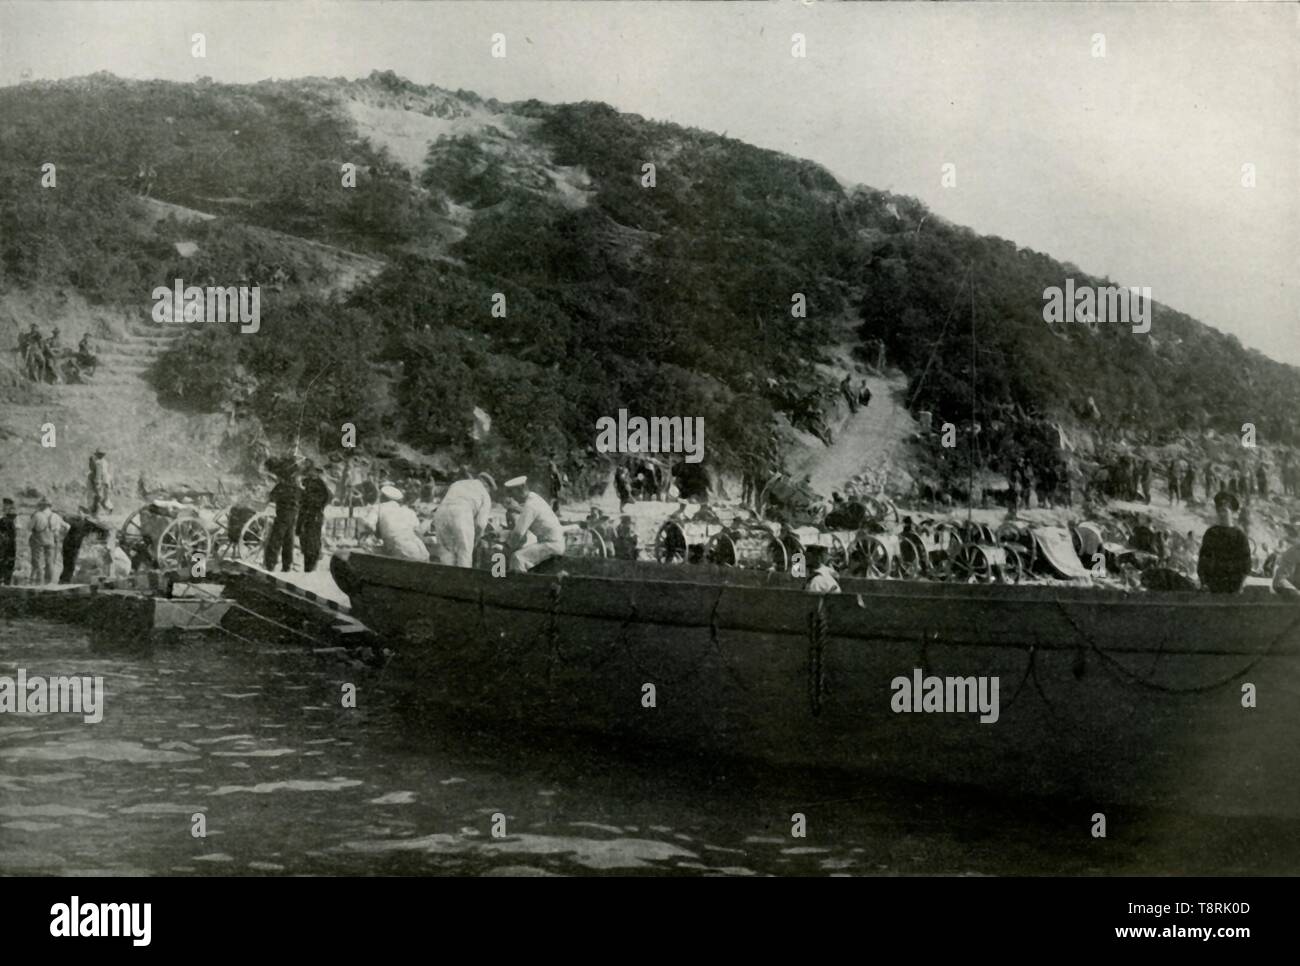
column 520, row 259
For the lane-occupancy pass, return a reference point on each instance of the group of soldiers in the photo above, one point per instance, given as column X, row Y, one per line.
column 644, row 480
column 300, row 495
column 1128, row 477
column 461, row 521
column 55, row 543
column 44, row 359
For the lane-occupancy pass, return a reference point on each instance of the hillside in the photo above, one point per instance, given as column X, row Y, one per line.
column 671, row 298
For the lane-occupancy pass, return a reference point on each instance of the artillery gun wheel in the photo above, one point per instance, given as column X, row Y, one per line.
column 182, row 538
column 947, row 540
column 220, row 537
column 1021, row 538
column 793, row 545
column 670, row 543
column 777, row 555
column 721, row 550
column 911, row 557
column 252, row 537
column 871, row 557
column 130, row 536
column 970, row 565
column 1013, row 569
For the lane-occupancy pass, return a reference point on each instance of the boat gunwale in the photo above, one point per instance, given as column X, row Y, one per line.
column 921, row 591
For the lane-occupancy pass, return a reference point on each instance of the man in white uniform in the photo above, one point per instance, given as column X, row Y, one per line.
column 535, row 517
column 397, row 526
column 461, row 519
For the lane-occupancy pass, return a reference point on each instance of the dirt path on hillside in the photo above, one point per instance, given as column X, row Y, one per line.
column 867, row 441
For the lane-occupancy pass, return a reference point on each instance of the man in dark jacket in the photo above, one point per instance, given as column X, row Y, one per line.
column 287, row 497
column 1224, row 560
column 311, row 516
column 8, row 543
column 79, row 528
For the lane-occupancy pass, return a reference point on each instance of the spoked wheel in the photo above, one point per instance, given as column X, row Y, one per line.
column 792, row 544
column 1011, row 569
column 871, row 558
column 911, row 557
column 970, row 565
column 721, row 550
column 947, row 539
column 179, row 541
column 252, row 537
column 130, row 536
column 1021, row 538
column 778, row 558
column 670, row 543
column 599, row 548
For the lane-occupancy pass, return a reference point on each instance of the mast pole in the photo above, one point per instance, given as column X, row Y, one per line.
column 970, row 485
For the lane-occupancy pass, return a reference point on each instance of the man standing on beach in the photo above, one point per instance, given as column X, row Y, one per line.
column 100, row 480
column 287, row 497
column 8, row 543
column 311, row 516
column 47, row 529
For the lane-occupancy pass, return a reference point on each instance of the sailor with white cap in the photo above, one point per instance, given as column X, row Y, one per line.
column 461, row 518
column 397, row 526
column 535, row 517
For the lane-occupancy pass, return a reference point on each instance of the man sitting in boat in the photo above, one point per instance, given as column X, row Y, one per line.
column 535, row 517
column 824, row 580
column 462, row 518
column 625, row 540
column 1224, row 561
column 396, row 526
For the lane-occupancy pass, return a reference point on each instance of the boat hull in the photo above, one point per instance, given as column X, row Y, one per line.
column 1104, row 698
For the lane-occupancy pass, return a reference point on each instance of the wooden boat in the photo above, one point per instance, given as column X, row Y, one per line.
column 1105, row 697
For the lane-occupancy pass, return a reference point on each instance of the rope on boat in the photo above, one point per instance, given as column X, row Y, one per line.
column 552, row 618
column 1195, row 689
column 818, row 632
column 1024, row 678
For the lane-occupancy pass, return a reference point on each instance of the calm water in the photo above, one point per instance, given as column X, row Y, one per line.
column 291, row 782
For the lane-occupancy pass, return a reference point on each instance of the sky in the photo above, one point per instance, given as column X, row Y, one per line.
column 1129, row 165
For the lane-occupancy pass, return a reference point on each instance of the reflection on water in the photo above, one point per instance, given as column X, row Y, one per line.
column 291, row 782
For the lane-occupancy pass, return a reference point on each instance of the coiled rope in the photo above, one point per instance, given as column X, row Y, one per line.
column 818, row 633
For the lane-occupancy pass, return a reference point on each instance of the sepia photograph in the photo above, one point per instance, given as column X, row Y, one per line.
column 650, row 439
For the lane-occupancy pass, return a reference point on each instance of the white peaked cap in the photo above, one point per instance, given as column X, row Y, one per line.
column 517, row 481
column 391, row 493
